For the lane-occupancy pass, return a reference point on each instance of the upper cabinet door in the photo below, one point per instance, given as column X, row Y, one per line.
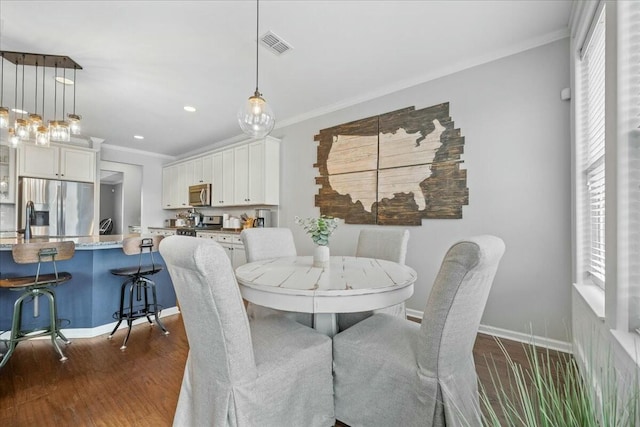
column 217, row 187
column 77, row 165
column 39, row 162
column 241, row 175
column 70, row 164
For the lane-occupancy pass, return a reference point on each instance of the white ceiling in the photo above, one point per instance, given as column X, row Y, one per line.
column 144, row 60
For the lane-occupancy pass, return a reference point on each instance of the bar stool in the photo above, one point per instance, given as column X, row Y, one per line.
column 32, row 287
column 137, row 282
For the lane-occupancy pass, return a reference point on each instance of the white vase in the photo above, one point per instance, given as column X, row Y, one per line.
column 321, row 256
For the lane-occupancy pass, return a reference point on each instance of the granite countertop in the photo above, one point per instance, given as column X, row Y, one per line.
column 204, row 230
column 82, row 243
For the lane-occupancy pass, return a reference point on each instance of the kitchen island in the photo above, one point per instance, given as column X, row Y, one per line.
column 87, row 302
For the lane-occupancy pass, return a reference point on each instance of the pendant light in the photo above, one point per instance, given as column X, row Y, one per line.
column 42, row 133
column 4, row 111
column 35, row 120
column 22, row 125
column 14, row 140
column 56, row 128
column 74, row 119
column 256, row 117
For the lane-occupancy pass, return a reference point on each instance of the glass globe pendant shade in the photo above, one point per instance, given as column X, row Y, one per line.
column 42, row 136
column 256, row 118
column 22, row 129
column 4, row 117
column 74, row 124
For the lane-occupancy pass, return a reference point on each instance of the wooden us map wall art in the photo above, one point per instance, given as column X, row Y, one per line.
column 392, row 169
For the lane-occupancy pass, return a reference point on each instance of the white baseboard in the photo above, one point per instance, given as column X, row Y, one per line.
column 105, row 329
column 526, row 338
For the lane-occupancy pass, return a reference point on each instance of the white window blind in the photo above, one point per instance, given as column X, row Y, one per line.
column 593, row 143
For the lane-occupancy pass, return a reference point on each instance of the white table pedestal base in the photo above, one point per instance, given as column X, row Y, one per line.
column 325, row 323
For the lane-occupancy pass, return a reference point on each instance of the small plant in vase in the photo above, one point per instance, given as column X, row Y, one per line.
column 320, row 230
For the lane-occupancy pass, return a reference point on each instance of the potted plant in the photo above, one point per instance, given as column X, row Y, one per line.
column 320, row 230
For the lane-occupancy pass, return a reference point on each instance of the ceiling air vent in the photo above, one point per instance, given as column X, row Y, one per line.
column 275, row 43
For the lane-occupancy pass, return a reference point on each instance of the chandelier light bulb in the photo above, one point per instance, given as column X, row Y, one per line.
column 74, row 124
column 42, row 136
column 35, row 121
column 4, row 117
column 22, row 129
column 14, row 140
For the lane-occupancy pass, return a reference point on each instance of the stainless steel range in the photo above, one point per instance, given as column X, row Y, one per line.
column 209, row 223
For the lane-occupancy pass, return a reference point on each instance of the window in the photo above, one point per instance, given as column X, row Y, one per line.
column 592, row 144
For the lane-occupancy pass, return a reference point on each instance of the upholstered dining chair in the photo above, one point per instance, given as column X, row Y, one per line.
column 270, row 371
column 387, row 244
column 390, row 371
column 264, row 243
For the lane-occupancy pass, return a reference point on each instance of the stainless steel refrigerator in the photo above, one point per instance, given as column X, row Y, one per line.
column 62, row 208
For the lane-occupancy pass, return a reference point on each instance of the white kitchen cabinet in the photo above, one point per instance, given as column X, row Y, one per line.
column 7, row 174
column 223, row 182
column 175, row 191
column 162, row 231
column 57, row 162
column 241, row 175
column 232, row 244
column 207, row 169
column 245, row 174
column 179, row 187
column 167, row 176
column 257, row 173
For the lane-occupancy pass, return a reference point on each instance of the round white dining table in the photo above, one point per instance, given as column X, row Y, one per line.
column 348, row 285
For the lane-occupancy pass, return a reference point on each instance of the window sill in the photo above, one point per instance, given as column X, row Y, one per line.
column 630, row 342
column 593, row 296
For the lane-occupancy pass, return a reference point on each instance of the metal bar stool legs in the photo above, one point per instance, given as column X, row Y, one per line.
column 138, row 291
column 17, row 334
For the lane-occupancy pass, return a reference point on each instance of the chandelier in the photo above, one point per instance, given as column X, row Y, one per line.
column 30, row 125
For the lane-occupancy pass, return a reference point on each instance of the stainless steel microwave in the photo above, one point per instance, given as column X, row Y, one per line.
column 200, row 195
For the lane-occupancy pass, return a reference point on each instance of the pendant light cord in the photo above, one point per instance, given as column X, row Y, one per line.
column 74, row 90
column 35, row 109
column 44, row 61
column 55, row 94
column 257, row 32
column 2, row 84
column 22, row 107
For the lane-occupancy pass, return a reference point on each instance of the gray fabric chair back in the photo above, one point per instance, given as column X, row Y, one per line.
column 390, row 245
column 264, row 243
column 214, row 316
column 456, row 303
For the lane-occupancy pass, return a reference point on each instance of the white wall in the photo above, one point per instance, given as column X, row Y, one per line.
column 152, row 214
column 517, row 145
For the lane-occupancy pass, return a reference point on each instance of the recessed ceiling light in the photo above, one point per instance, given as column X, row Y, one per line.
column 138, row 136
column 19, row 111
column 64, row 81
column 189, row 108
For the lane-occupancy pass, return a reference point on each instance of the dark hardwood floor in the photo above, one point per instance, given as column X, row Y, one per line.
column 102, row 386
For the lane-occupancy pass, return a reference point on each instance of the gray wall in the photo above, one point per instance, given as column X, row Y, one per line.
column 517, row 146
column 108, row 203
